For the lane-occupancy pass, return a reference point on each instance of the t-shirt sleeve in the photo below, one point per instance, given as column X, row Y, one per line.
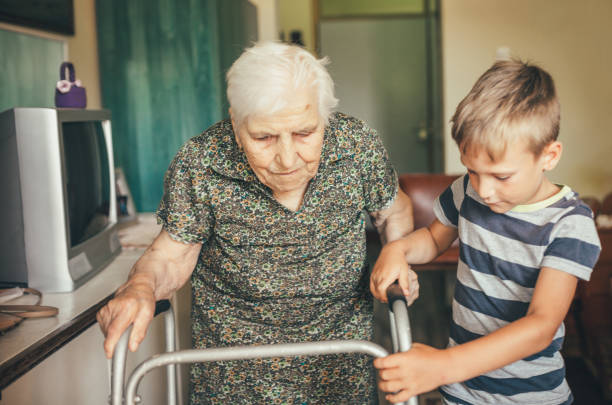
column 574, row 244
column 447, row 205
column 380, row 182
column 184, row 210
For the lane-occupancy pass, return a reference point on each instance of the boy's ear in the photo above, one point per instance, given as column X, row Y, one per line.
column 551, row 155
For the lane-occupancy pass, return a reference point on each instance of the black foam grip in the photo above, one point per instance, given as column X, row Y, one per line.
column 161, row 306
column 394, row 293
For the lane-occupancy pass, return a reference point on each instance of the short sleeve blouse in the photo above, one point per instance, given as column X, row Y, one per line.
column 267, row 274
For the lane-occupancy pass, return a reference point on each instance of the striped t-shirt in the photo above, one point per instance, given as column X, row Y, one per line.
column 500, row 259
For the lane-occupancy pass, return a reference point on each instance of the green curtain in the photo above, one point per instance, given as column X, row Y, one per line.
column 162, row 79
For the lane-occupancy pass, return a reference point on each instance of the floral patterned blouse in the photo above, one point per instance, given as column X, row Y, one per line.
column 267, row 274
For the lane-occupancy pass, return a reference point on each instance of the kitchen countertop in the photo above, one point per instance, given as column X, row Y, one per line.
column 33, row 340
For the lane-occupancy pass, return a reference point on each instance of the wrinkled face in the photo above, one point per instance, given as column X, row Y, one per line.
column 517, row 178
column 284, row 149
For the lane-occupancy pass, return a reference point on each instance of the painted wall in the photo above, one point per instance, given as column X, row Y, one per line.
column 31, row 60
column 571, row 40
column 297, row 15
column 267, row 19
column 341, row 8
column 83, row 50
column 237, row 25
column 29, row 69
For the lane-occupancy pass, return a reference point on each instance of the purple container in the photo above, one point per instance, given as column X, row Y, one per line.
column 68, row 93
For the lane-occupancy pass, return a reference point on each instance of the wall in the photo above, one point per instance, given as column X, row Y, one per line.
column 83, row 50
column 297, row 15
column 237, row 22
column 342, row 8
column 267, row 19
column 568, row 38
column 28, row 69
column 43, row 70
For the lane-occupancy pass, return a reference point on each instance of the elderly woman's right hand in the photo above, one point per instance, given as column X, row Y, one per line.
column 134, row 303
column 164, row 267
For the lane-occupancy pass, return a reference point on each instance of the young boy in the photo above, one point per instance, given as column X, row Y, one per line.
column 524, row 242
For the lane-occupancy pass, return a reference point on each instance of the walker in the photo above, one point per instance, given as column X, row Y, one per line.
column 400, row 336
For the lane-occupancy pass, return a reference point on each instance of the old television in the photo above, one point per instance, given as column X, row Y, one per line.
column 59, row 209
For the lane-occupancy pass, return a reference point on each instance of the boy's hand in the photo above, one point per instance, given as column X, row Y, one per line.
column 390, row 266
column 404, row 375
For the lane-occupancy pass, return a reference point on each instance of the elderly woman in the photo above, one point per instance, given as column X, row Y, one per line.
column 266, row 213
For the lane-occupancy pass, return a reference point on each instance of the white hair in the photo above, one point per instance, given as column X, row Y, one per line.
column 264, row 77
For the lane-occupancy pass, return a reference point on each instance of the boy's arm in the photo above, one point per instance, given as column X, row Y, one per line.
column 421, row 246
column 424, row 368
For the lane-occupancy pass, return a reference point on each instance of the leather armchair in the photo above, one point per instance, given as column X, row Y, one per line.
column 423, row 188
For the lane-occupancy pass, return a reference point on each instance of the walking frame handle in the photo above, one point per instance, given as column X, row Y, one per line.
column 400, row 336
column 120, row 356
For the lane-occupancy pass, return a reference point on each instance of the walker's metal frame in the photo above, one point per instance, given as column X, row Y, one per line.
column 401, row 338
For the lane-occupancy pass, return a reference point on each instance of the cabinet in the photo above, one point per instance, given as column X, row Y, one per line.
column 79, row 373
column 60, row 360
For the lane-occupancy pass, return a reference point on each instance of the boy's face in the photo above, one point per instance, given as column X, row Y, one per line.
column 517, row 178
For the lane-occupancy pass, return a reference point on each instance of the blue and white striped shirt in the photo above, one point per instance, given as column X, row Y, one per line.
column 500, row 259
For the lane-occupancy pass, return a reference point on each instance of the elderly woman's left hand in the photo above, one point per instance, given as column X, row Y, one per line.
column 394, row 223
column 391, row 266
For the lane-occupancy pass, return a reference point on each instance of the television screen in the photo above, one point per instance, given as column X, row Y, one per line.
column 49, row 15
column 87, row 179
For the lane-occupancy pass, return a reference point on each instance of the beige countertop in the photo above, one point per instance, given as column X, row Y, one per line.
column 29, row 343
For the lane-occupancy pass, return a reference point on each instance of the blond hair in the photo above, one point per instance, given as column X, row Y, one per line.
column 511, row 100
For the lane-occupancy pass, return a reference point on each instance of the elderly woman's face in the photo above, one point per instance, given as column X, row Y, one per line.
column 284, row 149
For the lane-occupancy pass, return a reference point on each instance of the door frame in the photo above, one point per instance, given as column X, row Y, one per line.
column 434, row 126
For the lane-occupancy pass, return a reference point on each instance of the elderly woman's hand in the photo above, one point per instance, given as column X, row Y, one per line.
column 390, row 266
column 163, row 268
column 134, row 303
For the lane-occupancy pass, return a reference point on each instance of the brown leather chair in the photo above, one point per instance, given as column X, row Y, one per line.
column 588, row 322
column 593, row 203
column 423, row 188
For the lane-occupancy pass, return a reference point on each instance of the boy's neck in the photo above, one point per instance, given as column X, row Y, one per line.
column 547, row 190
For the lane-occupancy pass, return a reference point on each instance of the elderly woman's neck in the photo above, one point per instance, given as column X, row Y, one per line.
column 291, row 200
